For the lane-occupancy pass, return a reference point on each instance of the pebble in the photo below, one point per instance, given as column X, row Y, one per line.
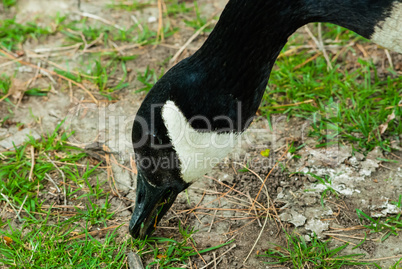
column 207, row 258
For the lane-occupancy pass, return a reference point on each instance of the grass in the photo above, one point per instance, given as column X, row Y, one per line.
column 5, row 84
column 315, row 253
column 130, row 6
column 176, row 8
column 169, row 251
column 173, row 7
column 87, row 31
column 49, row 237
column 19, row 183
column 299, row 253
column 8, row 3
column 102, row 74
column 199, row 21
column 148, row 78
column 342, row 104
column 388, row 226
column 326, row 182
column 45, row 244
column 13, row 33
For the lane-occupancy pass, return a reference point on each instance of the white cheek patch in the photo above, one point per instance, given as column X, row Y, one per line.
column 198, row 152
column 389, row 32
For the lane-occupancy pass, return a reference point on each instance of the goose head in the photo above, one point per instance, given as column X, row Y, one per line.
column 178, row 136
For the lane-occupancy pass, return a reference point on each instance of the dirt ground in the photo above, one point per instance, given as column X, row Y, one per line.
column 218, row 206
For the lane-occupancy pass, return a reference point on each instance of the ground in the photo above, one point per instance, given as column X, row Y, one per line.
column 326, row 143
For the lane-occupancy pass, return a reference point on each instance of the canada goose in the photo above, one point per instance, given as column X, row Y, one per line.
column 195, row 104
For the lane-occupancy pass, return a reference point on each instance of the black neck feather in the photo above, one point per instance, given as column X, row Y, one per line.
column 232, row 68
column 235, row 62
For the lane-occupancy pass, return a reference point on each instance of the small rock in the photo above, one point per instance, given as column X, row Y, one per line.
column 359, row 156
column 125, row 213
column 134, row 261
column 354, row 161
column 317, row 226
column 293, row 217
column 375, row 153
column 207, row 258
column 3, row 132
column 151, row 19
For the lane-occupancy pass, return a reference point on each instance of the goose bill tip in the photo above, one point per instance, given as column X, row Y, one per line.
column 152, row 203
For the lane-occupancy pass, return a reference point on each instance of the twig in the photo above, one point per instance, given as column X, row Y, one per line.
column 227, row 186
column 381, row 259
column 224, row 253
column 8, row 201
column 63, row 176
column 359, row 227
column 36, row 75
column 191, row 264
column 9, row 51
column 118, row 49
column 95, row 17
column 398, row 105
column 109, row 170
column 349, row 236
column 63, row 206
column 7, row 63
column 197, row 252
column 230, row 196
column 258, row 238
column 134, row 18
column 19, row 211
column 212, row 221
column 32, row 163
column 54, row 183
column 245, row 225
column 194, row 208
column 386, row 167
column 122, row 166
column 160, row 22
column 263, row 184
column 69, row 71
column 50, row 72
column 253, row 207
column 87, row 46
column 322, row 47
column 179, row 52
column 266, row 219
column 5, row 96
column 95, row 232
column 361, row 48
column 42, row 50
column 389, row 59
column 307, row 61
column 319, row 44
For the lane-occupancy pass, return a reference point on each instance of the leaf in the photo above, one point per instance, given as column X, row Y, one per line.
column 383, row 127
column 17, row 88
column 7, row 240
column 265, row 153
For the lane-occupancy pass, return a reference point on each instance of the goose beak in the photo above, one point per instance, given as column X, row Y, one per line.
column 152, row 203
